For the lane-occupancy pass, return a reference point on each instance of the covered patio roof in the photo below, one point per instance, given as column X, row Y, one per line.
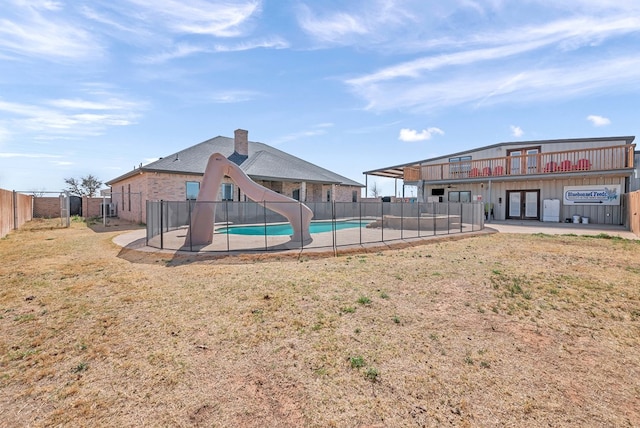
column 392, row 171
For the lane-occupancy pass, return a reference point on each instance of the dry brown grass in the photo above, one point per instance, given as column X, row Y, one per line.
column 496, row 330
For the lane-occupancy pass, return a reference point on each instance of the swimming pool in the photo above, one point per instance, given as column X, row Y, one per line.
column 286, row 229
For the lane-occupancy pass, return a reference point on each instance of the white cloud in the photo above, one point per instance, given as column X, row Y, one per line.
column 411, row 135
column 27, row 155
column 76, row 117
column 45, row 4
column 220, row 19
column 179, row 51
column 520, row 63
column 516, row 131
column 37, row 30
column 505, row 44
column 300, row 135
column 185, row 50
column 366, row 23
column 268, row 43
column 332, row 28
column 491, row 86
column 598, row 120
column 324, row 125
column 62, row 163
column 230, row 97
column 89, row 105
column 4, row 134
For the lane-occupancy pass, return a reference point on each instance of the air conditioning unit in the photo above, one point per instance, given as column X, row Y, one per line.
column 109, row 209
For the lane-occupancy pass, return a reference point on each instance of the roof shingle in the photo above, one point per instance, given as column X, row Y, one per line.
column 264, row 163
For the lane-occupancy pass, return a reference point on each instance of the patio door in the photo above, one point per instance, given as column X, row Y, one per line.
column 523, row 204
column 523, row 161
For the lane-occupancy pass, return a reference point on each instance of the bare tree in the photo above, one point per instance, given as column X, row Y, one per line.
column 375, row 190
column 85, row 186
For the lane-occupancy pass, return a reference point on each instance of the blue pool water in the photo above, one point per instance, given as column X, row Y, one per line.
column 286, row 229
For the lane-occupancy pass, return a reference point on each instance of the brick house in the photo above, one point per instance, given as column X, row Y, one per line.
column 178, row 177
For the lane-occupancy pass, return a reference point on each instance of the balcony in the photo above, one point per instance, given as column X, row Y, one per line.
column 605, row 159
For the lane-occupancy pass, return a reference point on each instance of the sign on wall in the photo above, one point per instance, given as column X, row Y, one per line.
column 597, row 194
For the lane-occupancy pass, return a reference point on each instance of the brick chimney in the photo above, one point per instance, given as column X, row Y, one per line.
column 240, row 147
column 241, row 142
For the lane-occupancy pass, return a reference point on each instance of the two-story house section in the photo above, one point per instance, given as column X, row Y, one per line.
column 583, row 177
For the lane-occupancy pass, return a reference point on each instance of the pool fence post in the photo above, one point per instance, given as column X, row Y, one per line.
column 434, row 217
column 360, row 214
column 264, row 216
column 333, row 228
column 301, row 224
column 148, row 225
column 418, row 206
column 190, row 225
column 402, row 219
column 382, row 220
column 226, row 220
column 161, row 224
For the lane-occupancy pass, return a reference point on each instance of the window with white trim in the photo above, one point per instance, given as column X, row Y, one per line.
column 193, row 188
column 227, row 192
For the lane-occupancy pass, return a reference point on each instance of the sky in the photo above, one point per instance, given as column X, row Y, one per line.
column 98, row 87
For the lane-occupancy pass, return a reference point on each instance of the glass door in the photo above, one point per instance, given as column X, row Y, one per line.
column 523, row 204
column 523, row 160
column 514, row 205
column 515, row 159
column 532, row 161
column 531, row 204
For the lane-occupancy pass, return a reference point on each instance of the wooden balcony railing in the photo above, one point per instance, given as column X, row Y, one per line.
column 571, row 161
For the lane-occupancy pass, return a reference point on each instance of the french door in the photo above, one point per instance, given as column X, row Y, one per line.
column 523, row 161
column 523, row 204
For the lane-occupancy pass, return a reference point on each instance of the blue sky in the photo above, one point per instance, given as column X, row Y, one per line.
column 96, row 87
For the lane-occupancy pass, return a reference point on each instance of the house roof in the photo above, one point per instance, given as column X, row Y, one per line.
column 397, row 171
column 264, row 163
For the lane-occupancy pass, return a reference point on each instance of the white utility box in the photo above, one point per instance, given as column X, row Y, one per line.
column 551, row 210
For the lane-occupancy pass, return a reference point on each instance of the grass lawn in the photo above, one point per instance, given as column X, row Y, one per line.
column 495, row 330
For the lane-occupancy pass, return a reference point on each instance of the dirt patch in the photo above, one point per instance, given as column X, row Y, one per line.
column 495, row 330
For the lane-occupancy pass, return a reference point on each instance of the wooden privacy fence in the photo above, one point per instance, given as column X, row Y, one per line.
column 15, row 210
column 634, row 212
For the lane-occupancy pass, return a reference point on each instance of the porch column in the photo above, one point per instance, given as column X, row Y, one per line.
column 490, row 202
column 303, row 191
column 366, row 185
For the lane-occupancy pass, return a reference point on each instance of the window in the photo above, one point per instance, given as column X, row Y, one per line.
column 122, row 196
column 296, row 194
column 460, row 196
column 354, row 196
column 460, row 159
column 328, row 195
column 129, row 195
column 227, row 192
column 461, row 164
column 193, row 188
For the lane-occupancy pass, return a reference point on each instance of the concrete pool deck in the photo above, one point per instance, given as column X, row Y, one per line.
column 529, row 226
column 349, row 240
